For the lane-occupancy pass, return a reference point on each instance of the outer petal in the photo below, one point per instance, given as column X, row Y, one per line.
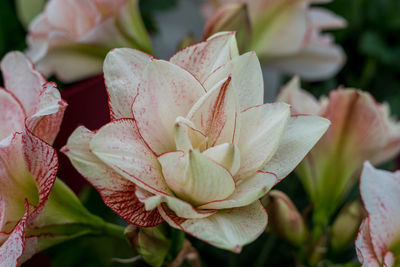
column 316, row 61
column 12, row 115
column 12, row 249
column 216, row 114
column 261, row 131
column 301, row 101
column 322, row 18
column 247, row 79
column 42, row 162
column 203, row 58
column 228, row 229
column 22, row 80
column 165, row 87
column 247, row 192
column 196, row 178
column 380, row 191
column 123, row 70
column 301, row 134
column 45, row 123
column 119, row 145
column 117, row 192
column 365, row 251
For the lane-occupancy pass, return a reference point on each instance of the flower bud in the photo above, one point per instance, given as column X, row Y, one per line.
column 346, row 224
column 150, row 243
column 284, row 218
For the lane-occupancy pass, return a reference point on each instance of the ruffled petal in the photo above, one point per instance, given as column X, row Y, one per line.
column 203, row 58
column 365, row 251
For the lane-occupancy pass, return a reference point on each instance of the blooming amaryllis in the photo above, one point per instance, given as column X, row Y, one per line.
column 71, row 38
column 31, row 112
column 285, row 34
column 361, row 130
column 378, row 242
column 191, row 142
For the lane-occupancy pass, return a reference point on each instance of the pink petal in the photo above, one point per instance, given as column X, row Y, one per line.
column 12, row 116
column 117, row 192
column 380, row 191
column 365, row 250
column 119, row 145
column 165, row 93
column 203, row 58
column 22, row 80
column 216, row 114
column 228, row 229
column 12, row 249
column 123, row 71
column 322, row 18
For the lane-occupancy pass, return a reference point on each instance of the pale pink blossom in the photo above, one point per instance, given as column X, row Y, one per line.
column 31, row 113
column 71, row 38
column 378, row 242
column 191, row 142
column 361, row 130
column 285, row 34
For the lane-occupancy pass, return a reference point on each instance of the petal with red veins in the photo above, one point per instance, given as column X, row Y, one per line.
column 246, row 192
column 380, row 191
column 203, row 58
column 181, row 208
column 119, row 145
column 45, row 123
column 262, row 128
column 247, row 79
column 196, row 178
column 166, row 92
column 301, row 134
column 123, row 71
column 117, row 192
column 42, row 162
column 22, row 80
column 216, row 114
column 13, row 247
column 365, row 251
column 227, row 229
column 12, row 115
column 228, row 155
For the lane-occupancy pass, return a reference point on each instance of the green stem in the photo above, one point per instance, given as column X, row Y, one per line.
column 113, row 230
column 265, row 251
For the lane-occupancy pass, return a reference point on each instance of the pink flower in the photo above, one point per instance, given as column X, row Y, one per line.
column 361, row 130
column 285, row 34
column 71, row 37
column 191, row 142
column 378, row 242
column 31, row 113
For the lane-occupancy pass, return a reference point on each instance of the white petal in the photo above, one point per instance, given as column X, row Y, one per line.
column 196, row 178
column 228, row 155
column 228, row 229
column 250, row 190
column 165, row 93
column 301, row 134
column 123, row 71
column 262, row 128
column 247, row 79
